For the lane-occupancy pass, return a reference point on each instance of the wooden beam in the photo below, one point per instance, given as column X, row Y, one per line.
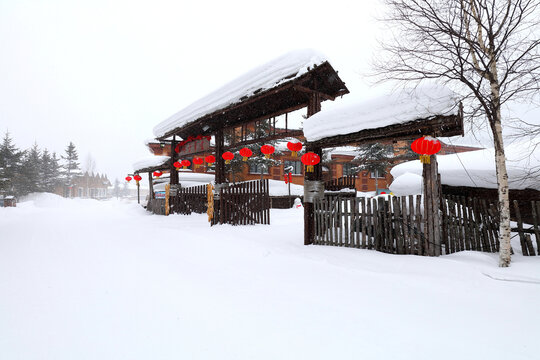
column 292, row 133
column 311, row 91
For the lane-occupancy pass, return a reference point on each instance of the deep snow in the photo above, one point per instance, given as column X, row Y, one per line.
column 82, row 279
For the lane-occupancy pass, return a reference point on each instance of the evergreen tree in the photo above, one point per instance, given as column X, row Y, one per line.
column 374, row 158
column 49, row 171
column 70, row 168
column 10, row 162
column 28, row 177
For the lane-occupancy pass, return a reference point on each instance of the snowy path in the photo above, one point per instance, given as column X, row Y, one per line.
column 81, row 279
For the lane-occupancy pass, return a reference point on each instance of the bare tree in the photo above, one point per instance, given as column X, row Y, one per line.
column 487, row 49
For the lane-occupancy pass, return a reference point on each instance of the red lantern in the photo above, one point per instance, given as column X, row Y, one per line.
column 186, row 163
column 128, row 178
column 177, row 165
column 154, row 173
column 294, row 147
column 137, row 179
column 245, row 153
column 426, row 146
column 267, row 150
column 310, row 160
column 210, row 159
column 227, row 156
column 197, row 161
column 159, row 173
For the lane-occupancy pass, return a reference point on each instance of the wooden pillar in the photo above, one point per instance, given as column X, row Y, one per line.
column 314, row 106
column 220, row 163
column 432, row 200
column 173, row 180
column 150, row 186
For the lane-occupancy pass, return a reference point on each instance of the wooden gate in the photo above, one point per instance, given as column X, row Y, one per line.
column 246, row 203
column 392, row 226
column 190, row 200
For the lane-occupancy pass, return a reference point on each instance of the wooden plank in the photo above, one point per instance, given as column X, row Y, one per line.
column 524, row 247
column 529, row 244
column 363, row 221
column 369, row 224
column 422, row 250
column 535, row 206
column 346, row 209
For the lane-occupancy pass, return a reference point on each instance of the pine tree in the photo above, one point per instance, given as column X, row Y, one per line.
column 374, row 158
column 49, row 171
column 10, row 161
column 28, row 177
column 70, row 168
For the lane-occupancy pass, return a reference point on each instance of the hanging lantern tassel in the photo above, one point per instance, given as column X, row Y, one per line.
column 310, row 168
column 424, row 159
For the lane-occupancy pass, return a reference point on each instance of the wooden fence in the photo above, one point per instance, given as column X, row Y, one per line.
column 392, row 226
column 345, row 182
column 190, row 200
column 243, row 204
column 396, row 225
column 525, row 230
column 156, row 206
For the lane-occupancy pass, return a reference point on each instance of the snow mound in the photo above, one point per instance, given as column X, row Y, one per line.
column 407, row 184
column 477, row 168
column 150, row 161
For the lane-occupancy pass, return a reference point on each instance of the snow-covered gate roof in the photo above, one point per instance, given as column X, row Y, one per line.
column 280, row 86
column 151, row 163
column 432, row 110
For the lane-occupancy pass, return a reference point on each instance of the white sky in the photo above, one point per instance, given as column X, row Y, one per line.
column 103, row 73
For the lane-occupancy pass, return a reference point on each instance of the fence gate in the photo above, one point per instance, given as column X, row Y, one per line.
column 190, row 199
column 246, row 203
column 392, row 226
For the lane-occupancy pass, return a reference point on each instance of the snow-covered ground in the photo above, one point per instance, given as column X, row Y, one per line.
column 82, row 279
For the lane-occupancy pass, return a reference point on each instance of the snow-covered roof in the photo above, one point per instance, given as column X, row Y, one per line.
column 423, row 102
column 274, row 73
column 477, row 168
column 150, row 161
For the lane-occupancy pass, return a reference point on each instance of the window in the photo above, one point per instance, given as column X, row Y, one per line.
column 349, row 169
column 295, row 165
column 255, row 168
column 381, row 174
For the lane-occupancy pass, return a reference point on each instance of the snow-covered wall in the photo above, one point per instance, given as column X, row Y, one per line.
column 277, row 72
column 477, row 168
column 406, row 105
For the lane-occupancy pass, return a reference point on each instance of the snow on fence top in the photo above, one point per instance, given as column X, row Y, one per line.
column 423, row 102
column 150, row 161
column 523, row 166
column 277, row 72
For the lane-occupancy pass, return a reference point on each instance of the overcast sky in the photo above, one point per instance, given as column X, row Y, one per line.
column 103, row 73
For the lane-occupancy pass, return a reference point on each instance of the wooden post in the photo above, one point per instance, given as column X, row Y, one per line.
column 314, row 106
column 432, row 224
column 220, row 163
column 150, row 186
column 173, row 180
column 167, row 192
column 138, row 193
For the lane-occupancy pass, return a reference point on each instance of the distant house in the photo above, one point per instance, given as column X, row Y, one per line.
column 93, row 186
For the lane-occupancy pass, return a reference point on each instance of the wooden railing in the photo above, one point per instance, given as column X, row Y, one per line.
column 345, row 182
column 190, row 200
